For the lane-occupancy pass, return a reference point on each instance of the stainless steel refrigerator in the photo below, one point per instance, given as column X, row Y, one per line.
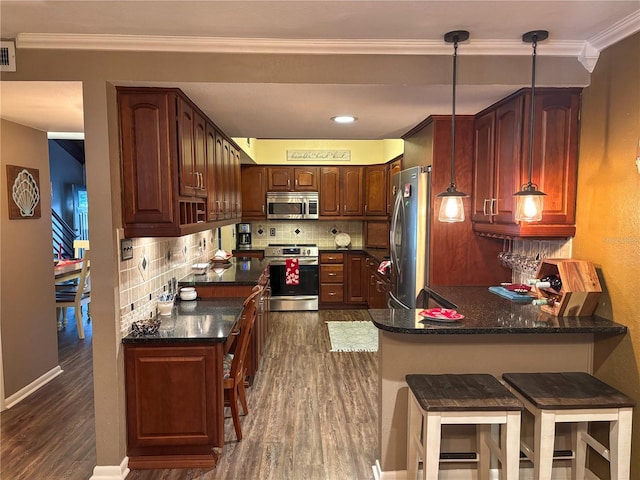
column 409, row 236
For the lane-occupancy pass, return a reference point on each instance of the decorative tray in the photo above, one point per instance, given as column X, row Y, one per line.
column 441, row 315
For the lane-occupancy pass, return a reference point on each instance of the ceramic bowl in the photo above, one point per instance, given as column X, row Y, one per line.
column 188, row 293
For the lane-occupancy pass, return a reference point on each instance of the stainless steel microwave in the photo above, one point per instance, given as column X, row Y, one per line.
column 292, row 205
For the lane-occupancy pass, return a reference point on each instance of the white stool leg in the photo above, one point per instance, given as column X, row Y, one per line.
column 483, row 432
column 78, row 313
column 431, row 446
column 579, row 446
column 414, row 427
column 620, row 445
column 511, row 446
column 544, row 444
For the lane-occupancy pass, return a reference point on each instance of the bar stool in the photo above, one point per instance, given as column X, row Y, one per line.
column 462, row 399
column 578, row 398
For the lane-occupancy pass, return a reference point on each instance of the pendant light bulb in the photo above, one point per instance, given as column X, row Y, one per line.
column 529, row 198
column 451, row 206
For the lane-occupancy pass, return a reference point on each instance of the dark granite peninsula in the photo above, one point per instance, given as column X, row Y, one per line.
column 496, row 336
column 238, row 271
column 174, row 386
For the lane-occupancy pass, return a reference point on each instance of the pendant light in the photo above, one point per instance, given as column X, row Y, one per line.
column 452, row 208
column 529, row 198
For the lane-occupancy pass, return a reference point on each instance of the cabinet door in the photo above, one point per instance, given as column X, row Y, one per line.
column 235, row 198
column 221, row 175
column 356, row 287
column 507, row 160
column 305, row 179
column 555, row 154
column 147, row 127
column 280, row 179
column 375, row 190
column 200, row 154
column 330, row 203
column 189, row 178
column 376, row 234
column 394, row 167
column 352, row 189
column 214, row 178
column 253, row 186
column 483, row 168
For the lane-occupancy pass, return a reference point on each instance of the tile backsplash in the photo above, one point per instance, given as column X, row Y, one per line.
column 155, row 262
column 321, row 233
column 537, row 250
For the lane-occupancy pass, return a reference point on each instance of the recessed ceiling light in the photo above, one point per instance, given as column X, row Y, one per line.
column 344, row 119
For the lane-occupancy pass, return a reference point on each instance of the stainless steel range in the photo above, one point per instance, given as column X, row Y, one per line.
column 300, row 295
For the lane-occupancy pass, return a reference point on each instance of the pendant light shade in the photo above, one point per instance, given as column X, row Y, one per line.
column 451, row 207
column 529, row 198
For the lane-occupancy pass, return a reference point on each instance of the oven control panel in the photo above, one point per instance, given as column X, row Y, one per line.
column 291, row 251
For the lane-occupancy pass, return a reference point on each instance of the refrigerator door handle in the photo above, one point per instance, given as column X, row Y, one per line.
column 393, row 302
column 394, row 225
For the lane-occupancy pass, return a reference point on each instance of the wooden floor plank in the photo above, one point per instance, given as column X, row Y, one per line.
column 312, row 413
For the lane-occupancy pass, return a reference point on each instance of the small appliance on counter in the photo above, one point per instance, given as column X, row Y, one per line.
column 243, row 236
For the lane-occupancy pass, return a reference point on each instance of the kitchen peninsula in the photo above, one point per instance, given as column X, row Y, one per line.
column 495, row 336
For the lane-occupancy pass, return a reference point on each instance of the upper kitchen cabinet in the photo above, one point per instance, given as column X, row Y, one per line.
column 173, row 181
column 192, row 151
column 254, row 192
column 394, row 166
column 375, row 190
column 292, row 179
column 341, row 191
column 501, row 141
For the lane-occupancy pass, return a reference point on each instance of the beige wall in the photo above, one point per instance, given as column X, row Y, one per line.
column 27, row 305
column 608, row 211
column 362, row 151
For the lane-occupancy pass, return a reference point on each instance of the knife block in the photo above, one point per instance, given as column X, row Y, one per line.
column 580, row 290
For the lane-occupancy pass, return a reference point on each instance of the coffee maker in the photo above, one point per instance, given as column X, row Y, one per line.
column 243, row 236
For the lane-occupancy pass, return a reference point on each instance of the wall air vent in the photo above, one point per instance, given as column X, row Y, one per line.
column 7, row 56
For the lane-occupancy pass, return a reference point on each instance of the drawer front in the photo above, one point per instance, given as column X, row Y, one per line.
column 331, row 274
column 331, row 293
column 331, row 257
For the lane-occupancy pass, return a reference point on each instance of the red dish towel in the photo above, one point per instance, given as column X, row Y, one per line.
column 292, row 271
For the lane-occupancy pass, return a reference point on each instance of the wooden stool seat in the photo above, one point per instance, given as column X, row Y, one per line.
column 577, row 398
column 461, row 399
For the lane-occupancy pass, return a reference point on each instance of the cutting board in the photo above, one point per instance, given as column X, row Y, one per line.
column 509, row 295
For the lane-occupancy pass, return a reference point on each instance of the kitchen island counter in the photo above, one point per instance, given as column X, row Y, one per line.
column 496, row 336
column 487, row 313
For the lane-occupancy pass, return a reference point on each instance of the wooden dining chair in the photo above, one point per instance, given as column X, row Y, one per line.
column 234, row 363
column 76, row 297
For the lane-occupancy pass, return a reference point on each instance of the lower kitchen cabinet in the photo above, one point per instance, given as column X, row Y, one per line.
column 356, row 286
column 331, row 278
column 377, row 286
column 175, row 404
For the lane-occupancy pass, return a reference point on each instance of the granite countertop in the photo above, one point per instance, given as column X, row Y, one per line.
column 240, row 271
column 198, row 321
column 487, row 313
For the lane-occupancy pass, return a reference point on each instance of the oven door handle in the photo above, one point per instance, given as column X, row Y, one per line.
column 301, row 261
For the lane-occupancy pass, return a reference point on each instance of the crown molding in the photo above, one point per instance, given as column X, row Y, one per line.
column 616, row 32
column 288, row 46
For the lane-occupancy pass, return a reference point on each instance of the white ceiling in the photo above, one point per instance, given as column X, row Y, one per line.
column 577, row 28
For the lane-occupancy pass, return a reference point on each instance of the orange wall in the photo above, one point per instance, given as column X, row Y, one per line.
column 608, row 211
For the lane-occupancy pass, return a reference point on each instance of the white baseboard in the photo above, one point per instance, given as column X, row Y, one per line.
column 111, row 472
column 561, row 473
column 24, row 392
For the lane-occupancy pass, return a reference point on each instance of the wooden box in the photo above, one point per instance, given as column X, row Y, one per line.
column 580, row 290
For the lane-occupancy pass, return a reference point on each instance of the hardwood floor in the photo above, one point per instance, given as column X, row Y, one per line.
column 312, row 414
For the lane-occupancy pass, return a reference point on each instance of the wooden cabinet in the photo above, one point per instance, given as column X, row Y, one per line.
column 174, row 173
column 376, row 234
column 254, row 192
column 375, row 190
column 292, row 179
column 356, row 285
column 377, row 285
column 341, row 190
column 174, row 405
column 395, row 166
column 331, row 278
column 501, row 161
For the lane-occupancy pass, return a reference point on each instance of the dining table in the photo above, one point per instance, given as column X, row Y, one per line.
column 65, row 270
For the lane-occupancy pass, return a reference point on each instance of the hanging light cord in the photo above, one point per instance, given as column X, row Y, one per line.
column 452, row 186
column 534, row 44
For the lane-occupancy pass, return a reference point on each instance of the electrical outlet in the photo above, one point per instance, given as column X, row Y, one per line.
column 272, row 232
column 126, row 249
